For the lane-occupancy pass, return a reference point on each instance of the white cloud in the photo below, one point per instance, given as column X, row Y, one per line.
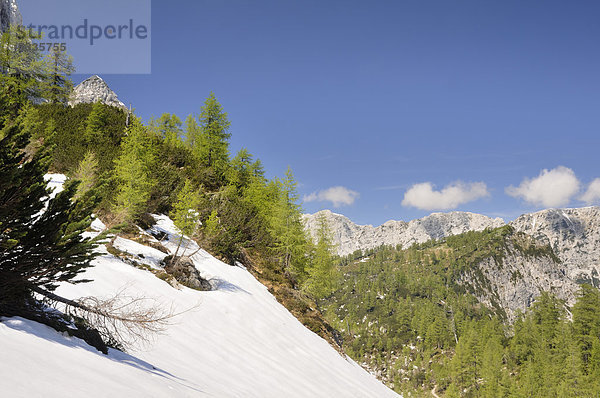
column 423, row 196
column 592, row 195
column 552, row 188
column 338, row 196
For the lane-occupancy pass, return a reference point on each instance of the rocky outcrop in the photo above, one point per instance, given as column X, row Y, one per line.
column 348, row 236
column 513, row 281
column 9, row 14
column 574, row 235
column 92, row 90
column 182, row 268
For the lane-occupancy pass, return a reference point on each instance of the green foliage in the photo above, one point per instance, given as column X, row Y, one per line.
column 405, row 312
column 321, row 270
column 185, row 213
column 291, row 243
column 211, row 148
column 193, row 133
column 168, row 128
column 132, row 171
column 86, row 174
column 125, row 173
column 243, row 169
column 211, row 226
column 22, row 73
column 232, row 225
column 81, row 129
column 58, row 85
column 38, row 248
column 586, row 324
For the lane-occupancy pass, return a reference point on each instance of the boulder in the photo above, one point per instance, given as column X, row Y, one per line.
column 182, row 268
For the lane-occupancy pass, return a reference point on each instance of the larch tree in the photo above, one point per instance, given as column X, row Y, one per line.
column 22, row 73
column 185, row 212
column 132, row 172
column 213, row 149
column 60, row 67
column 193, row 133
column 286, row 227
column 86, row 174
column 321, row 270
column 241, row 169
column 95, row 124
column 168, row 128
column 586, row 321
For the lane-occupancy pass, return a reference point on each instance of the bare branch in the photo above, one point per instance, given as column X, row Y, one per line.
column 122, row 320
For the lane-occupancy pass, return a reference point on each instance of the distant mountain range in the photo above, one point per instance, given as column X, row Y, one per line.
column 348, row 236
column 573, row 235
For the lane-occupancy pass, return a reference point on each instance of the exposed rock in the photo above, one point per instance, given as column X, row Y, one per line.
column 574, row 234
column 92, row 90
column 183, row 270
column 348, row 236
column 515, row 280
column 9, row 14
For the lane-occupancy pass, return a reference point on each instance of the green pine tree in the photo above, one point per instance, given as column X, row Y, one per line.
column 38, row 248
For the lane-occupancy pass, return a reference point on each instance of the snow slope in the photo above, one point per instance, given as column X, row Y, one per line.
column 236, row 341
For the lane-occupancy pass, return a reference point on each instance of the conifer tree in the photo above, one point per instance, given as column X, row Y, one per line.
column 241, row 169
column 132, row 172
column 38, row 248
column 22, row 73
column 185, row 213
column 86, row 174
column 491, row 367
column 96, row 123
column 213, row 149
column 168, row 128
column 321, row 270
column 286, row 227
column 211, row 225
column 60, row 67
column 193, row 134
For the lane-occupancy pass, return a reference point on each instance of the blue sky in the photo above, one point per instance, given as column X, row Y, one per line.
column 379, row 96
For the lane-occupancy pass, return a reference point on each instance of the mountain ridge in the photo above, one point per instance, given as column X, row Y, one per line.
column 349, row 237
column 95, row 89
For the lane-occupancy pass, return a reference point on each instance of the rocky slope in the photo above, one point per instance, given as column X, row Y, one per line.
column 348, row 236
column 512, row 281
column 9, row 14
column 574, row 234
column 94, row 89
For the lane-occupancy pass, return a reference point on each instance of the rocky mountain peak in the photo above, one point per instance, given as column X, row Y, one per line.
column 9, row 14
column 574, row 235
column 348, row 236
column 92, row 90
